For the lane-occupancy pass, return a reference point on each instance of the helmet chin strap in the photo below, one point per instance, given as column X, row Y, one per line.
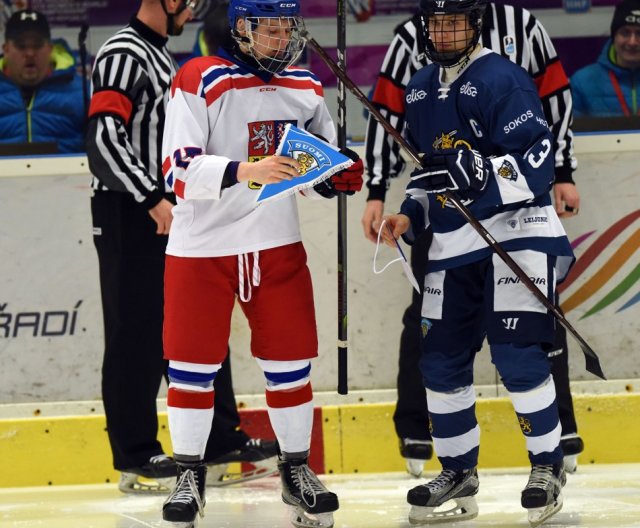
column 171, row 27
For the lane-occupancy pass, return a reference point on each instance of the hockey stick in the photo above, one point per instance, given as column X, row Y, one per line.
column 82, row 51
column 592, row 361
column 343, row 321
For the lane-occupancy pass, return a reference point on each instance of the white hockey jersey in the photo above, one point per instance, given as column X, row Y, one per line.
column 222, row 110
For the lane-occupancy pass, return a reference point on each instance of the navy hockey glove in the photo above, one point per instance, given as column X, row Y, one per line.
column 349, row 181
column 455, row 170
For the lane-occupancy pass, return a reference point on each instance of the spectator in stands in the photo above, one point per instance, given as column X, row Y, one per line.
column 39, row 86
column 609, row 86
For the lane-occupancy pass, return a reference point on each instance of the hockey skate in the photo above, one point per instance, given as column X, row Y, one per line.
column 261, row 454
column 572, row 445
column 312, row 504
column 156, row 476
column 450, row 485
column 416, row 453
column 187, row 501
column 543, row 494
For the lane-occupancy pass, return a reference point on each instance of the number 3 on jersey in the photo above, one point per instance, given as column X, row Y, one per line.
column 531, row 157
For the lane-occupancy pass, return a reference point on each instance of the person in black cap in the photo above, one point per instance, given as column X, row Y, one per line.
column 39, row 86
column 608, row 87
column 7, row 8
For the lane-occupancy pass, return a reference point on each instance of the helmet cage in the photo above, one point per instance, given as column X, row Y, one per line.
column 471, row 11
column 272, row 52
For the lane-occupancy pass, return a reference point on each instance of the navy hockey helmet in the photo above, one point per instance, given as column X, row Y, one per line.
column 450, row 39
column 272, row 32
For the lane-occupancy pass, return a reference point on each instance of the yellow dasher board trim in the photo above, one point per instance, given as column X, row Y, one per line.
column 358, row 438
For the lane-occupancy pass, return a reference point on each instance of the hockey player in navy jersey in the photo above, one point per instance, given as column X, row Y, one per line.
column 224, row 121
column 485, row 138
column 519, row 36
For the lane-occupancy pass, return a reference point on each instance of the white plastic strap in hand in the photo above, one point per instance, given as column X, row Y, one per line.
column 405, row 265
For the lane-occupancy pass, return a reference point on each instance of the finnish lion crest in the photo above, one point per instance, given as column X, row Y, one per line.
column 507, row 171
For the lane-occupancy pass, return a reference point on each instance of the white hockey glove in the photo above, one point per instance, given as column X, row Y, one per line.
column 459, row 170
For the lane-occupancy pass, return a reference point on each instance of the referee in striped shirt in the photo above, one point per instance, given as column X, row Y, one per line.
column 131, row 209
column 517, row 35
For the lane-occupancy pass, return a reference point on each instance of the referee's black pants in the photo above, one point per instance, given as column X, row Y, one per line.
column 131, row 261
column 411, row 416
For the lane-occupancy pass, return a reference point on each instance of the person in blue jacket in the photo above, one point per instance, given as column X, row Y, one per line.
column 609, row 87
column 40, row 89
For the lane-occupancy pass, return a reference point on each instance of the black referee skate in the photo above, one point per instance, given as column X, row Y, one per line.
column 155, row 476
column 312, row 504
column 543, row 494
column 459, row 486
column 187, row 500
column 416, row 453
column 261, row 454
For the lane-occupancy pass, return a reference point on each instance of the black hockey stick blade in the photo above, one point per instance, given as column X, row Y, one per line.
column 591, row 360
column 592, row 363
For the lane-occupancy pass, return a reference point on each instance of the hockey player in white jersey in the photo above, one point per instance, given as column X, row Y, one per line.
column 479, row 122
column 224, row 121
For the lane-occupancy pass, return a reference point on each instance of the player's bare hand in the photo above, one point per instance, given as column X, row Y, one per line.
column 395, row 226
column 272, row 169
column 566, row 199
column 371, row 218
column 163, row 216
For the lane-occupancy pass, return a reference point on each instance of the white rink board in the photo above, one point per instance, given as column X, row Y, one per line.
column 50, row 317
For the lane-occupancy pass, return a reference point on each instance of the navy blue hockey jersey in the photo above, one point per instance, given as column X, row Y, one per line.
column 492, row 107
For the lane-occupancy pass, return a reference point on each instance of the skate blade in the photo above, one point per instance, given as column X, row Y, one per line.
column 539, row 515
column 137, row 485
column 464, row 509
column 570, row 463
column 302, row 519
column 190, row 524
column 219, row 475
column 415, row 466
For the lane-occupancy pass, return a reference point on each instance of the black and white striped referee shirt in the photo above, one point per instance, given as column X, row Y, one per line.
column 131, row 80
column 511, row 31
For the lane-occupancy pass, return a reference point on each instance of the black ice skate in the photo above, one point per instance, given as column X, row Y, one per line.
column 311, row 502
column 543, row 493
column 261, row 454
column 450, row 485
column 155, row 476
column 416, row 453
column 572, row 445
column 187, row 500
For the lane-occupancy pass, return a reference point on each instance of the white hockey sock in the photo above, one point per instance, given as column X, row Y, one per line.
column 189, row 430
